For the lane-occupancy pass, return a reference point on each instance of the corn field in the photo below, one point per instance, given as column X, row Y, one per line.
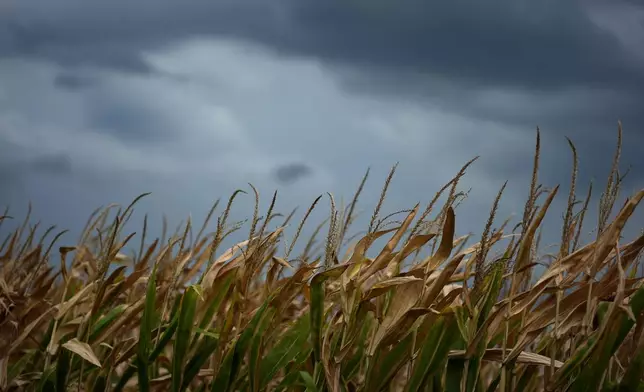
column 185, row 315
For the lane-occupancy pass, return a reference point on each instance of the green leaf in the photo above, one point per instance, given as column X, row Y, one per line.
column 210, row 334
column 148, row 317
column 101, row 383
column 106, row 321
column 222, row 381
column 292, row 369
column 317, row 305
column 605, row 346
column 293, row 344
column 384, row 366
column 16, row 369
column 164, row 339
column 308, row 381
column 255, row 351
column 317, row 313
column 213, row 306
column 230, row 366
column 528, row 376
column 573, row 363
column 433, row 352
column 145, row 331
column 47, row 383
column 492, row 287
column 206, row 348
column 454, row 376
column 635, row 370
column 62, row 369
column 184, row 332
column 351, row 366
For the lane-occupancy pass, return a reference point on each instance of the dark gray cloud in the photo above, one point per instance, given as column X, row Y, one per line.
column 568, row 107
column 441, row 52
column 16, row 169
column 54, row 164
column 10, row 183
column 28, row 35
column 18, row 160
column 127, row 120
column 73, row 81
column 536, row 45
column 292, row 172
column 74, row 33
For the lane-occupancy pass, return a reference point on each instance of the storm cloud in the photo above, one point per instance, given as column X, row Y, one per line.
column 192, row 100
column 560, row 62
column 292, row 172
column 538, row 45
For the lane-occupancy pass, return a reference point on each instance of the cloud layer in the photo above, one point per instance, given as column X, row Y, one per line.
column 193, row 100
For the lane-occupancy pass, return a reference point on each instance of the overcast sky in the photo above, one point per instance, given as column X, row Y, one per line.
column 102, row 101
